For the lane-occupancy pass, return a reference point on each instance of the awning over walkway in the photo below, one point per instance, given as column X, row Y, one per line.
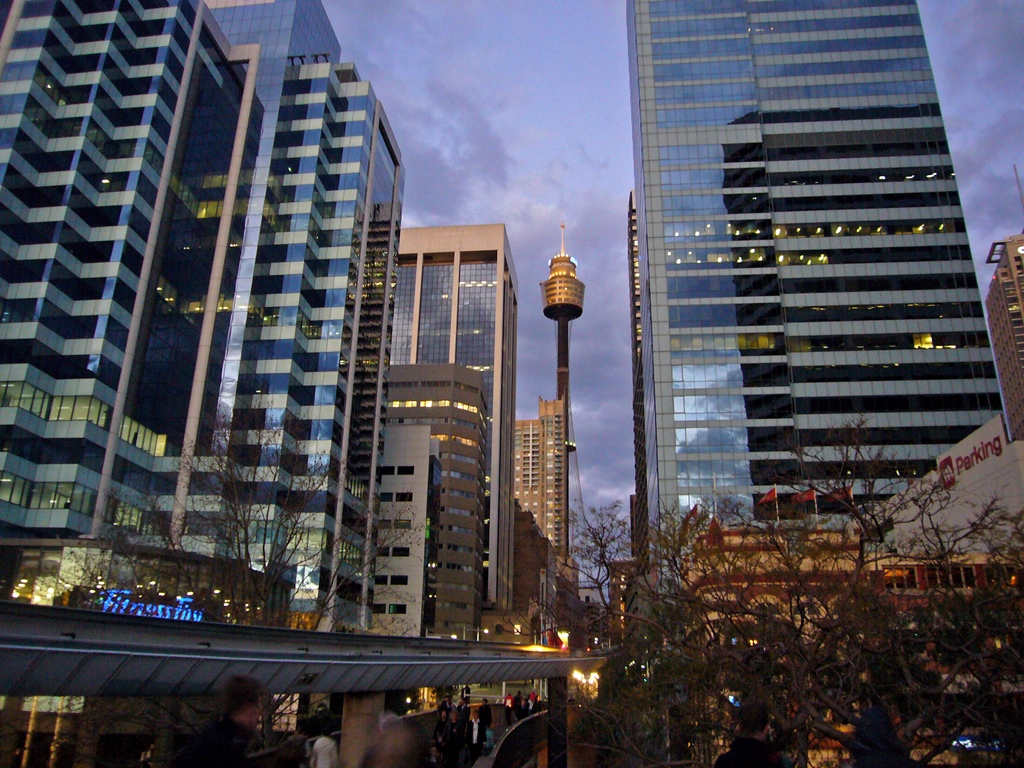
column 65, row 652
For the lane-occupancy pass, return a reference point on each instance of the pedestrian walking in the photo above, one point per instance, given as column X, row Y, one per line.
column 456, row 740
column 223, row 742
column 476, row 735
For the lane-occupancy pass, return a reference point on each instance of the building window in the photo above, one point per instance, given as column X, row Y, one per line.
column 380, row 579
column 406, row 470
column 399, row 551
column 387, row 496
column 900, row 578
column 403, row 496
column 399, row 580
column 378, row 607
column 396, row 608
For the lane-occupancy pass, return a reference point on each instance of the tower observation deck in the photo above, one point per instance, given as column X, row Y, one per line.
column 563, row 302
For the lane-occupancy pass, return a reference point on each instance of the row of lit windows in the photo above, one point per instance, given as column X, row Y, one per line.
column 435, row 404
column 947, row 340
column 955, row 576
column 726, row 343
column 867, row 229
column 30, row 494
column 722, row 178
column 458, row 439
column 17, row 394
column 763, row 229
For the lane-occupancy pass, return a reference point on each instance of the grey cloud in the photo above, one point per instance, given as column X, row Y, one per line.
column 977, row 57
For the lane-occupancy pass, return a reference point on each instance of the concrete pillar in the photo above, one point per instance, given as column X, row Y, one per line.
column 30, row 733
column 558, row 722
column 359, row 717
column 63, row 734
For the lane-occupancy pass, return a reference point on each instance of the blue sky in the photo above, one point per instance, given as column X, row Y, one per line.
column 518, row 112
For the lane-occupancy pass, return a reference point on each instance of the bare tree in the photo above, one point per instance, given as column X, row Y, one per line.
column 883, row 591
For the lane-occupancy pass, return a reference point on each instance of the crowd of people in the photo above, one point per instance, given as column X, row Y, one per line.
column 460, row 737
column 461, row 733
column 519, row 707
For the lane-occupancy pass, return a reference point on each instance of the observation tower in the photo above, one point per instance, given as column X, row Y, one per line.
column 563, row 302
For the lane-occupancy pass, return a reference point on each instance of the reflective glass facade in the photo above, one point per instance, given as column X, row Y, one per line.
column 801, row 249
column 126, row 155
column 197, row 245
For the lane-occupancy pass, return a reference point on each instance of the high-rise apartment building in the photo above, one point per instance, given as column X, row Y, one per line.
column 541, row 471
column 456, row 303
column 802, row 255
column 1006, row 327
column 452, row 400
column 198, row 223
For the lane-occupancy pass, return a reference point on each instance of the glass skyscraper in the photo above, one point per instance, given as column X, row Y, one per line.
column 199, row 218
column 802, row 257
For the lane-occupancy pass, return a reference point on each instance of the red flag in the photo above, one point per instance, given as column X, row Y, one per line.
column 803, row 498
column 769, row 497
column 693, row 512
column 843, row 494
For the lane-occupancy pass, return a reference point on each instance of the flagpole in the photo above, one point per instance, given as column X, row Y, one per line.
column 814, row 496
column 775, row 488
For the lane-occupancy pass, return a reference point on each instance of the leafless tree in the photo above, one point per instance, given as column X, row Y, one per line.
column 854, row 587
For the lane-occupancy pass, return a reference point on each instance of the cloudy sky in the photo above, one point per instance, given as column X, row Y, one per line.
column 517, row 111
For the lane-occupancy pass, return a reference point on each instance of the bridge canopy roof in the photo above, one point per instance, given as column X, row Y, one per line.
column 67, row 652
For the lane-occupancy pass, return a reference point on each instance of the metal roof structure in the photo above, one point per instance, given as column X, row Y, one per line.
column 49, row 651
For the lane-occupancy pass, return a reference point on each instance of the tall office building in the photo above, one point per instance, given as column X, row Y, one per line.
column 541, row 471
column 452, row 400
column 1006, row 327
column 198, row 224
column 801, row 245
column 456, row 302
